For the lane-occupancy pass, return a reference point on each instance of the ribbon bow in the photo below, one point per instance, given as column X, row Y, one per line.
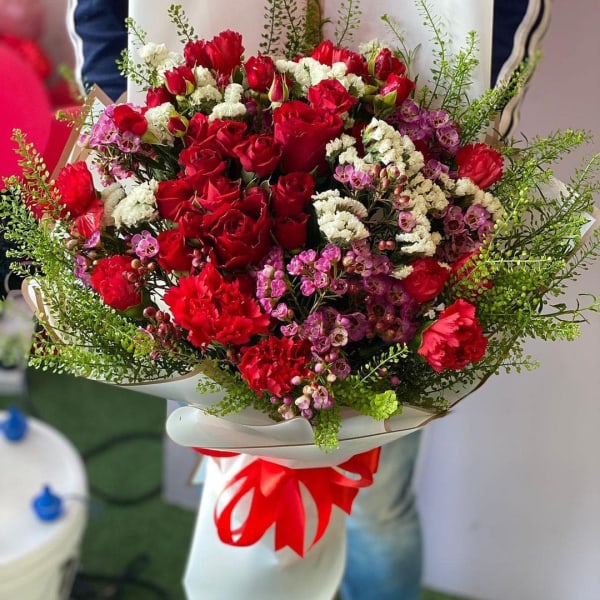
column 277, row 499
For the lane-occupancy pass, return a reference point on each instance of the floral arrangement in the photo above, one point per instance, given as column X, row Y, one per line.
column 311, row 227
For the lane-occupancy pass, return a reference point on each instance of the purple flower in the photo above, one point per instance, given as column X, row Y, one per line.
column 340, row 368
column 339, row 286
column 144, row 244
column 406, row 221
column 454, row 222
column 476, row 216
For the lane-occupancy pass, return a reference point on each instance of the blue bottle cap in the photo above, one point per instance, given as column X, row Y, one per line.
column 15, row 427
column 47, row 506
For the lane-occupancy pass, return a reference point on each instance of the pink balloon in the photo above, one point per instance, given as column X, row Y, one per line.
column 25, row 105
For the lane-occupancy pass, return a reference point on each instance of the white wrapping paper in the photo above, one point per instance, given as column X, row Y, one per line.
column 217, row 571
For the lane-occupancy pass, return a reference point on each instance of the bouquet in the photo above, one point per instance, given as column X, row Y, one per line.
column 314, row 234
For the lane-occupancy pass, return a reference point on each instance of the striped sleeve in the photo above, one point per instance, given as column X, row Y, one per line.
column 519, row 27
column 98, row 35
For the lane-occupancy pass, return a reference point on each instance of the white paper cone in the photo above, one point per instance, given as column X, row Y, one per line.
column 218, row 571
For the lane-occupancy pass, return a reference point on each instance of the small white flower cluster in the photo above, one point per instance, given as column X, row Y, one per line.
column 421, row 195
column 159, row 57
column 308, row 72
column 340, row 218
column 206, row 90
column 386, row 145
column 138, row 206
column 465, row 187
column 231, row 107
column 157, row 118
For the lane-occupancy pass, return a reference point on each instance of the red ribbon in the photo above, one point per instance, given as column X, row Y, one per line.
column 277, row 499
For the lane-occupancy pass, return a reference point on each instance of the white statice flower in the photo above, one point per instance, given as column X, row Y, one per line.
column 425, row 195
column 330, row 201
column 465, row 187
column 386, row 145
column 159, row 57
column 492, row 205
column 111, row 196
column 420, row 240
column 233, row 93
column 308, row 72
column 227, row 110
column 139, row 206
column 231, row 107
column 205, row 94
column 342, row 228
column 338, row 145
column 340, row 218
column 204, row 77
column 354, row 84
column 402, row 271
column 158, row 118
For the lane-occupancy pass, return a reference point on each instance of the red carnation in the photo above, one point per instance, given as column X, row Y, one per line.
column 214, row 309
column 77, row 194
column 426, row 280
column 455, row 340
column 480, row 163
column 271, row 364
column 386, row 63
column 111, row 279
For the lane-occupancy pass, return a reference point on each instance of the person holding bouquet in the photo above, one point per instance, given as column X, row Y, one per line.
column 384, row 559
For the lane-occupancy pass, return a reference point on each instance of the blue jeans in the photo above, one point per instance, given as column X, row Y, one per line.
column 384, row 554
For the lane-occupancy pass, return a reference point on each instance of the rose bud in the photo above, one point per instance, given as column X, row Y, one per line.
column 260, row 71
column 180, row 81
column 178, row 125
column 279, row 91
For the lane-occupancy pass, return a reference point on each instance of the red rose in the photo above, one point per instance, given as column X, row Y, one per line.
column 290, row 231
column 200, row 163
column 386, row 63
column 110, row 279
column 197, row 129
column 271, row 364
column 173, row 253
column 303, row 132
column 259, row 154
column 480, row 163
column 399, row 85
column 240, row 233
column 331, row 96
column 218, row 191
column 455, row 340
column 260, row 71
column 172, row 196
column 180, row 81
column 426, row 280
column 77, row 195
column 157, row 96
column 227, row 135
column 225, row 51
column 292, row 193
column 129, row 120
column 213, row 309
